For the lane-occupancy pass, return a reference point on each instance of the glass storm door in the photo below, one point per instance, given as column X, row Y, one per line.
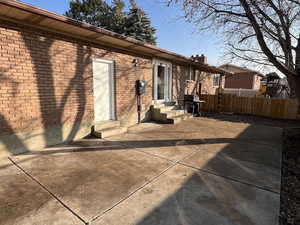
column 162, row 83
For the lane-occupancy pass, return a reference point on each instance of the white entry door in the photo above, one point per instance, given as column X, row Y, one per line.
column 103, row 79
column 162, row 88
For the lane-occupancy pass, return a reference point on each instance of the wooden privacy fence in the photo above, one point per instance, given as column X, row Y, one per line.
column 273, row 108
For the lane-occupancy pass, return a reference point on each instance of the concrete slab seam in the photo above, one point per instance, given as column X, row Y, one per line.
column 229, row 178
column 47, row 190
column 140, row 188
column 222, row 155
column 132, row 193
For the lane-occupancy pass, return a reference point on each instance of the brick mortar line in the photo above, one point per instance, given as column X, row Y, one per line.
column 47, row 190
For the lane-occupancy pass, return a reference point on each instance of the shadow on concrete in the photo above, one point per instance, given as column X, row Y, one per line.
column 115, row 145
column 201, row 201
column 207, row 200
column 255, row 120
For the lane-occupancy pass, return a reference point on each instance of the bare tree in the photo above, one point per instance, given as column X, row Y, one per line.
column 264, row 32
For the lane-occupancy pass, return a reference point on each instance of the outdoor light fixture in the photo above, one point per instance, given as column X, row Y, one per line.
column 135, row 62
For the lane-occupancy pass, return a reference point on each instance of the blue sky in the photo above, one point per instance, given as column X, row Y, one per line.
column 173, row 33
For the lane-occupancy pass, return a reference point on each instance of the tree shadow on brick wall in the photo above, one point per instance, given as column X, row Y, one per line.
column 14, row 142
column 180, row 82
column 55, row 94
column 52, row 109
column 126, row 98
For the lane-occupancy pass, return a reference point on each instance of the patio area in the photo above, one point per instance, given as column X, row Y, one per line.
column 202, row 171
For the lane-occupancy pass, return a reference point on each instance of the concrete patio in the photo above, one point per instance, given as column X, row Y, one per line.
column 202, row 171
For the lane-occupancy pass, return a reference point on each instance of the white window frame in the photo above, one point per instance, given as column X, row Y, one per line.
column 192, row 70
column 168, row 81
column 214, row 77
column 188, row 73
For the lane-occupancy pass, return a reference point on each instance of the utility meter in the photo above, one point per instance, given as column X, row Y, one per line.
column 140, row 87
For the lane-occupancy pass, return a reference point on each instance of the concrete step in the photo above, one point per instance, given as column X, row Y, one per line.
column 106, row 124
column 170, row 113
column 158, row 106
column 167, row 109
column 163, row 106
column 174, row 119
column 108, row 132
column 173, row 113
column 178, row 119
column 170, row 103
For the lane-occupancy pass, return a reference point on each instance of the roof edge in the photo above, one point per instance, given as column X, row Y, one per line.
column 243, row 68
column 63, row 19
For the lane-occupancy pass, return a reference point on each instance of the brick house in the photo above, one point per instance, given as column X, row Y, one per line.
column 60, row 77
column 241, row 77
column 203, row 82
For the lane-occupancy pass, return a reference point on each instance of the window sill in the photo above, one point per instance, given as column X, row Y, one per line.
column 189, row 81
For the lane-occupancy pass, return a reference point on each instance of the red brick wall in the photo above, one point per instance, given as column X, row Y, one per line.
column 179, row 81
column 207, row 83
column 240, row 80
column 181, row 87
column 46, row 80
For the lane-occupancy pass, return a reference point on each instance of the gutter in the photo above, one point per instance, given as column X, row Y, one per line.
column 103, row 32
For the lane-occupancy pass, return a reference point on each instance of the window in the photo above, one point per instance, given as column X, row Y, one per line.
column 187, row 73
column 216, row 80
column 190, row 73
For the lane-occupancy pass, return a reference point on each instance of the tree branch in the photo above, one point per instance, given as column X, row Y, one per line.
column 261, row 40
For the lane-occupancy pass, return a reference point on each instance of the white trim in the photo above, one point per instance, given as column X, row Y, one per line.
column 95, row 59
column 154, row 83
column 159, row 61
column 171, row 83
column 216, row 86
column 191, row 71
column 168, row 80
column 111, row 63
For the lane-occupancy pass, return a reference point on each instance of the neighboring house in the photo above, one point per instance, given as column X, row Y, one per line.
column 241, row 77
column 241, row 81
column 58, row 77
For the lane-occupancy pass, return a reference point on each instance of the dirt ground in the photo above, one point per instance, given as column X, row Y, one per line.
column 290, row 180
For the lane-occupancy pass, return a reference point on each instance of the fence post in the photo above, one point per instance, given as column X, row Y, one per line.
column 219, row 107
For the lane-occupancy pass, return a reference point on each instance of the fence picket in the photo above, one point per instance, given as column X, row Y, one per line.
column 272, row 108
